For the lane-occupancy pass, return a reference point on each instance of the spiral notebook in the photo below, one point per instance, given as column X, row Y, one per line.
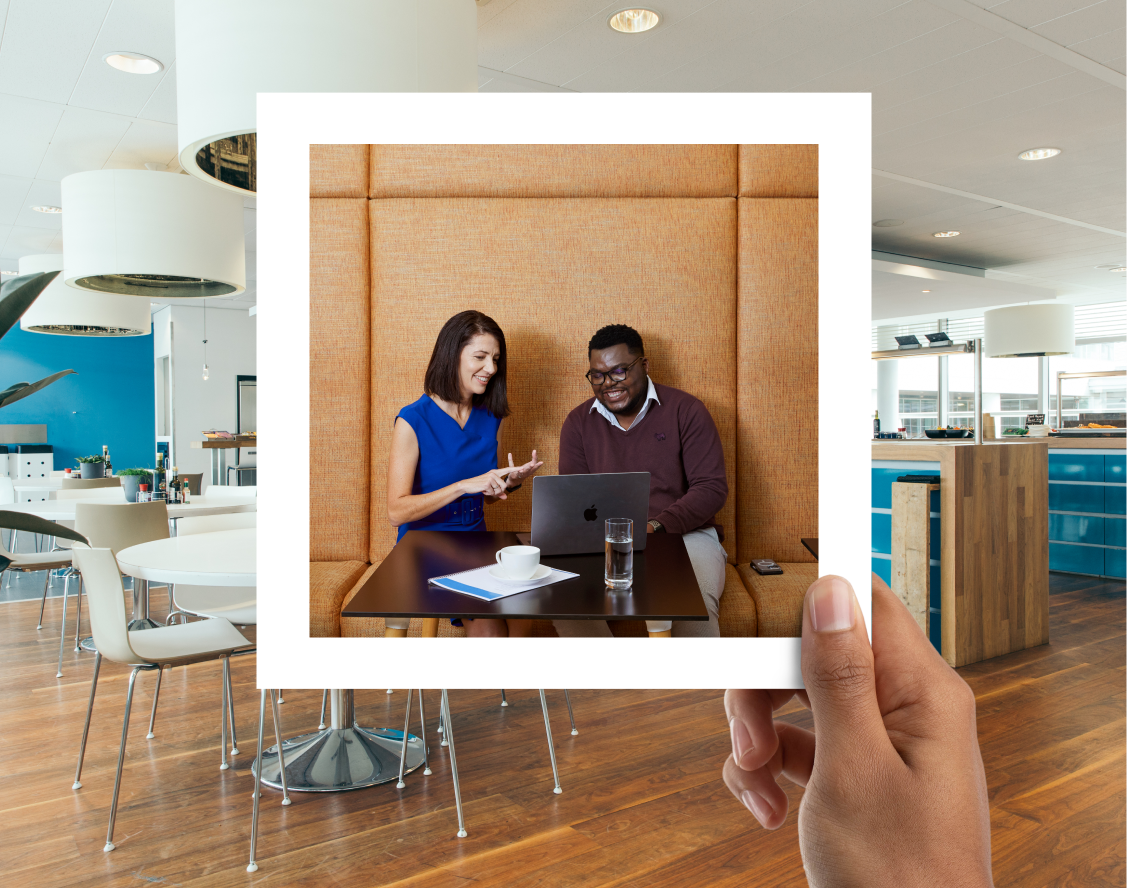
column 481, row 584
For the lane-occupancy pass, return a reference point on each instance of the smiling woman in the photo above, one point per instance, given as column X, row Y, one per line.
column 442, row 469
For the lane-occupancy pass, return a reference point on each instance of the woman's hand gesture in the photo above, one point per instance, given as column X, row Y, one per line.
column 492, row 483
column 517, row 474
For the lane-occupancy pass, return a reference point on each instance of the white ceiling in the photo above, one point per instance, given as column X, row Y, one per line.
column 959, row 89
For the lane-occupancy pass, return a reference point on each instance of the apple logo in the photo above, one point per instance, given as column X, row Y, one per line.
column 590, row 514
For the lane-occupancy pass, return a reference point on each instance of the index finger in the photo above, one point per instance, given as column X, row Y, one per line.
column 502, row 472
column 751, row 720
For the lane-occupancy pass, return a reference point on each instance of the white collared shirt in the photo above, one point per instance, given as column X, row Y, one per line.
column 651, row 395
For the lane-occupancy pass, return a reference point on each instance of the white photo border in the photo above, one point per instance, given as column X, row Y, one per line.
column 289, row 122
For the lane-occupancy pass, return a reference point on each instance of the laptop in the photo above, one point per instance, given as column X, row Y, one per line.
column 568, row 511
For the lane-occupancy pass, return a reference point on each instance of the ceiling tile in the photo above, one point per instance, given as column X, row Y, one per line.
column 250, row 219
column 252, row 266
column 1030, row 13
column 42, row 193
column 83, row 141
column 29, row 125
column 1103, row 48
column 162, row 103
column 146, row 141
column 46, row 45
column 144, row 26
column 1084, row 24
column 23, row 241
column 13, row 194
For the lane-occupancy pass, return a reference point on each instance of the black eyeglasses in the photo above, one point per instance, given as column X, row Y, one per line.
column 596, row 377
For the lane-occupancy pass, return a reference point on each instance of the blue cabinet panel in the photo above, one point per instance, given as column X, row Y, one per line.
column 1115, row 500
column 1076, row 559
column 1114, row 532
column 936, row 536
column 1114, row 563
column 935, row 596
column 882, row 567
column 1077, row 497
column 1076, row 467
column 882, row 486
column 882, row 533
column 1115, row 468
column 1076, row 529
column 936, row 635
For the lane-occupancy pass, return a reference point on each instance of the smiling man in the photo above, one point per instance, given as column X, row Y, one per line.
column 634, row 425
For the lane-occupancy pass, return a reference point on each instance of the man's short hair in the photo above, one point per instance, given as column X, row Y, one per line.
column 616, row 334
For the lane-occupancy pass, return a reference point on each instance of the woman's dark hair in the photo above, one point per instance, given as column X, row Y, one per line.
column 441, row 380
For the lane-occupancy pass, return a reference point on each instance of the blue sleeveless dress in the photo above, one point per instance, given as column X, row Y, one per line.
column 449, row 453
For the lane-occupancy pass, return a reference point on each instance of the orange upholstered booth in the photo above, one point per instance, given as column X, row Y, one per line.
column 709, row 251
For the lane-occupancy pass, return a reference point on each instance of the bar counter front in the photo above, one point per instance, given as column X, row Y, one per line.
column 983, row 534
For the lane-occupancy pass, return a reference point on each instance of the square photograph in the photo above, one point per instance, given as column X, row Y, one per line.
column 620, row 323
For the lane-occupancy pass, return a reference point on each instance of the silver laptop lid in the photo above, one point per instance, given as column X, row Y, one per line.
column 568, row 511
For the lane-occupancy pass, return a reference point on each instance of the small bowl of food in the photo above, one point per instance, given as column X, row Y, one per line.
column 936, row 433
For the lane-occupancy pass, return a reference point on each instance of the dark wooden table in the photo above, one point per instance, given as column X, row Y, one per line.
column 811, row 544
column 665, row 587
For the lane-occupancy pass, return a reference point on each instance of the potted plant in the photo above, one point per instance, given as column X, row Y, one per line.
column 91, row 466
column 131, row 481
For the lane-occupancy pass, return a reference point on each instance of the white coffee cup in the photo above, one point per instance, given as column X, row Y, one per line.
column 519, row 562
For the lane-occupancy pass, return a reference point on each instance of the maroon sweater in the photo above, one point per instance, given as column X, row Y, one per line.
column 676, row 442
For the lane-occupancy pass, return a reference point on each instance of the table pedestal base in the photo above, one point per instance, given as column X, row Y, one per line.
column 145, row 623
column 338, row 759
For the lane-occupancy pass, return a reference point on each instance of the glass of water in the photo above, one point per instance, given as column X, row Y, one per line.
column 619, row 572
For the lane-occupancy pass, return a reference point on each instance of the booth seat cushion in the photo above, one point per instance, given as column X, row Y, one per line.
column 778, row 599
column 329, row 583
column 738, row 617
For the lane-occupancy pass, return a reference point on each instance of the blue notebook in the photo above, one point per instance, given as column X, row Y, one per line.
column 480, row 583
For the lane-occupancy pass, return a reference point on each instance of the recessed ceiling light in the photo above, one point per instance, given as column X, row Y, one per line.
column 925, row 291
column 888, row 223
column 634, row 21
column 1118, row 268
column 13, row 273
column 946, row 234
column 1039, row 153
column 132, row 62
column 48, row 209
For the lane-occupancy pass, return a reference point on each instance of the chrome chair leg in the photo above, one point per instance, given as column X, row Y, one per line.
column 86, row 727
column 223, row 766
column 78, row 616
column 449, row 736
column 121, row 757
column 324, row 700
column 442, row 725
column 43, row 603
column 423, row 735
column 570, row 714
column 63, row 631
column 231, row 713
column 551, row 746
column 280, row 700
column 406, row 733
column 156, row 696
column 274, row 711
column 252, row 867
column 504, row 702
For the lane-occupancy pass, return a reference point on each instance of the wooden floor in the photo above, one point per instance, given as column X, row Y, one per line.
column 643, row 802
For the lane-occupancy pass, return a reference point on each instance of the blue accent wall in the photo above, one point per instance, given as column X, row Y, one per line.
column 112, row 394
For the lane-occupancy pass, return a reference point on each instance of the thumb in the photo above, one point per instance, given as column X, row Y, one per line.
column 838, row 670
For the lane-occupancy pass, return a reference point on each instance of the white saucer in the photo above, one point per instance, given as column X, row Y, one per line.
column 541, row 572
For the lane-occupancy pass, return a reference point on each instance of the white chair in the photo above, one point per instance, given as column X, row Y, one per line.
column 150, row 649
column 234, row 603
column 73, row 483
column 29, row 562
column 7, row 496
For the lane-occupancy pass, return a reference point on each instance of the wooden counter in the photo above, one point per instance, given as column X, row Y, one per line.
column 994, row 550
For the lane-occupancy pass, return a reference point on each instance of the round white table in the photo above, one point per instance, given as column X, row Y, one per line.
column 63, row 510
column 220, row 558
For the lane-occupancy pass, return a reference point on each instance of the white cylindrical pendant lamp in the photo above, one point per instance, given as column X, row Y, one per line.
column 67, row 311
column 1029, row 331
column 296, row 46
column 142, row 233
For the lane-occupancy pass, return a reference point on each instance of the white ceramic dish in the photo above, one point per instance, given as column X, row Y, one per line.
column 542, row 572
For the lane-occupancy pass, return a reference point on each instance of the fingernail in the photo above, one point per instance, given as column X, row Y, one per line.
column 757, row 805
column 741, row 739
column 831, row 605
